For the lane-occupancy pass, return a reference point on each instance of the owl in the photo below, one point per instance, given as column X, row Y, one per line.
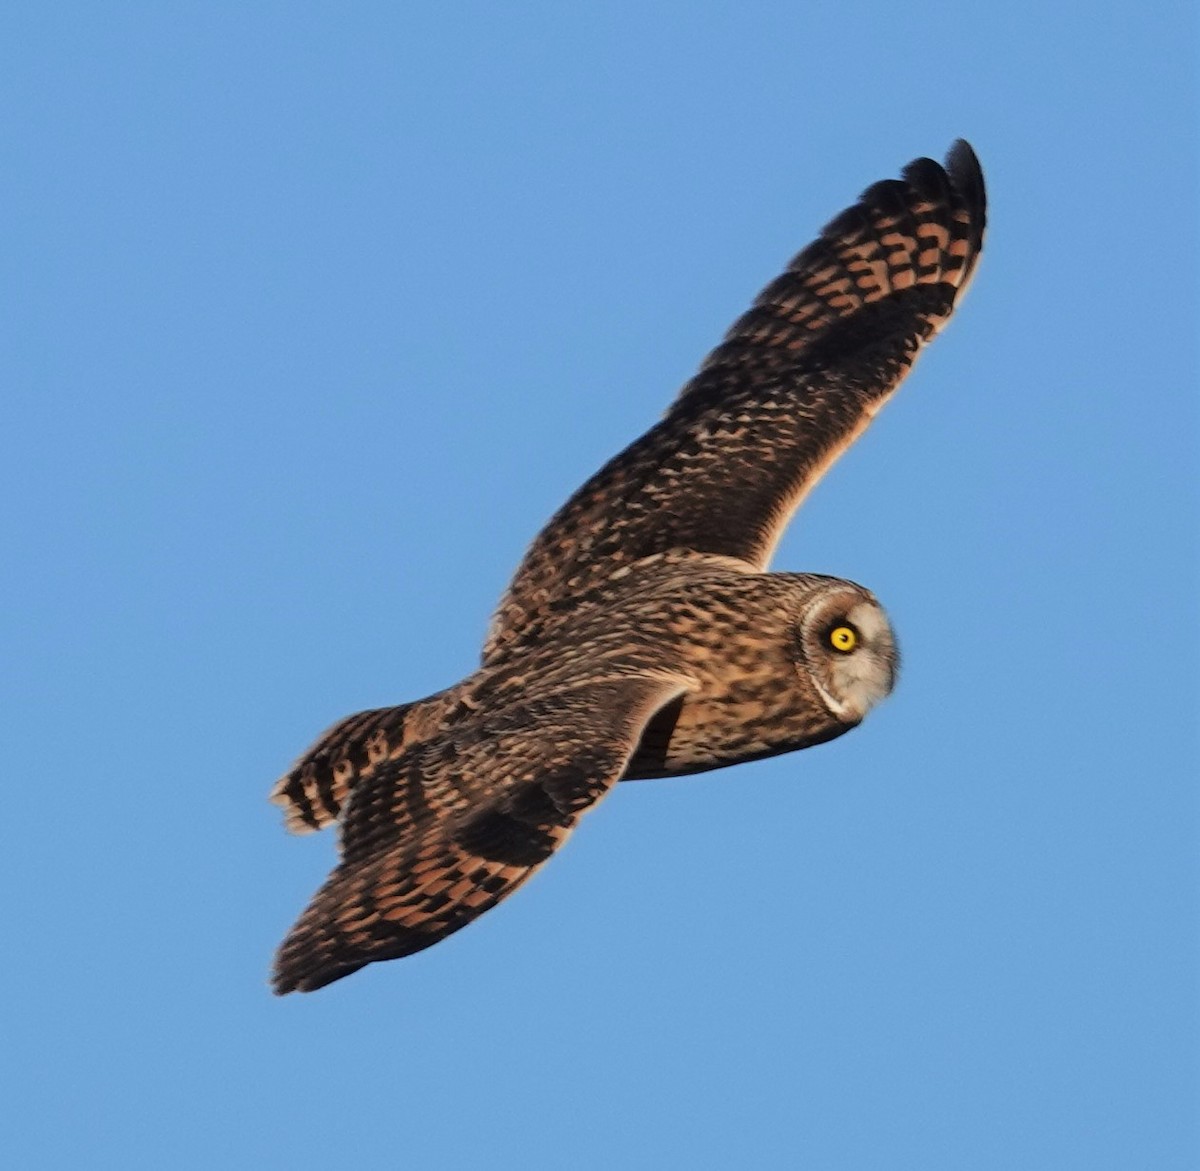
column 641, row 635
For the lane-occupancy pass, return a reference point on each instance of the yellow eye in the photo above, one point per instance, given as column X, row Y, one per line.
column 843, row 638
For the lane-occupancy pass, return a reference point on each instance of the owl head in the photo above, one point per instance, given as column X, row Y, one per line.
column 845, row 647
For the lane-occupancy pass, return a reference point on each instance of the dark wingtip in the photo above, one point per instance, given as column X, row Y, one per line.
column 283, row 981
column 929, row 178
column 286, row 980
column 962, row 164
column 966, row 175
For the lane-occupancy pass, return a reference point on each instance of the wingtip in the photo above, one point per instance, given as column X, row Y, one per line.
column 958, row 181
column 928, row 177
column 966, row 177
column 292, row 974
column 961, row 173
column 966, row 174
column 961, row 160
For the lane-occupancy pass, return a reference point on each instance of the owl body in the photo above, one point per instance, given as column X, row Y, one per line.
column 763, row 681
column 762, row 678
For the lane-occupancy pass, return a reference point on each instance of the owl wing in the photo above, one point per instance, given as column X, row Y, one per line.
column 795, row 382
column 440, row 834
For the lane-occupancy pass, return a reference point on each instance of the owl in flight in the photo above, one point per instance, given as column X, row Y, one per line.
column 642, row 636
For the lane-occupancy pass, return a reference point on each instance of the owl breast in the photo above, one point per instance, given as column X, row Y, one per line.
column 749, row 720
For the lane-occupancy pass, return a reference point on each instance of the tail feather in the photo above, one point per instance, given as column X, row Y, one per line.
column 314, row 791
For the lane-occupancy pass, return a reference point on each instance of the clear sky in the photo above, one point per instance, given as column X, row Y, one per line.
column 313, row 313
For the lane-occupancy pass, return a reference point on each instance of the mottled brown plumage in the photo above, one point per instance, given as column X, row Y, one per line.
column 640, row 636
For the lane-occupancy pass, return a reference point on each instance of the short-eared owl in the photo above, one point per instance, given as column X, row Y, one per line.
column 641, row 635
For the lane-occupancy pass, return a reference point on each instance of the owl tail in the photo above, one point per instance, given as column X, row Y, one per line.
column 314, row 791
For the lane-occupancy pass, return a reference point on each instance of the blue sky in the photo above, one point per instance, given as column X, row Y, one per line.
column 314, row 313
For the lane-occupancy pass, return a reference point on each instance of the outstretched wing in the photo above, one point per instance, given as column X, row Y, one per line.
column 794, row 383
column 442, row 833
